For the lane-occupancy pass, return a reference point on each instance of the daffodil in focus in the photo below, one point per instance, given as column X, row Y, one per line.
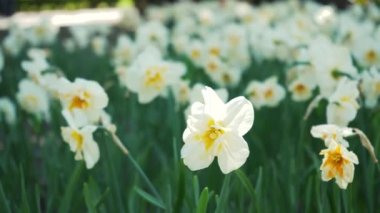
column 338, row 163
column 81, row 141
column 150, row 76
column 84, row 99
column 216, row 129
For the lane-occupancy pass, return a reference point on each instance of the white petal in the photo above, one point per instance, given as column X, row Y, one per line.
column 324, row 174
column 90, row 149
column 341, row 182
column 234, row 152
column 240, row 115
column 214, row 106
column 91, row 153
column 195, row 156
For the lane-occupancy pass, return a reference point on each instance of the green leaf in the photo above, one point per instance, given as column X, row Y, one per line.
column 102, row 197
column 203, row 201
column 149, row 198
column 246, row 183
column 38, row 198
column 221, row 201
column 89, row 198
column 25, row 203
column 70, row 189
column 4, row 203
column 196, row 188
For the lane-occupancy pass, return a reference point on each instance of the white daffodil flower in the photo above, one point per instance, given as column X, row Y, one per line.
column 35, row 67
column 332, row 133
column 84, row 99
column 338, row 163
column 216, row 129
column 181, row 91
column 81, row 141
column 99, row 45
column 124, row 51
column 330, row 62
column 42, row 33
column 7, row 111
column 343, row 105
column 33, row 98
column 150, row 76
column 196, row 52
column 268, row 93
column 152, row 33
column 301, row 89
column 370, row 87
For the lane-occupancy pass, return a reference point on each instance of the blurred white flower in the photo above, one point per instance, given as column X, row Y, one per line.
column 43, row 33
column 268, row 93
column 181, row 91
column 302, row 84
column 81, row 141
column 69, row 44
column 370, row 86
column 81, row 35
column 124, row 51
column 99, row 45
column 338, row 163
column 35, row 67
column 196, row 52
column 215, row 129
column 343, row 105
column 152, row 33
column 301, row 89
column 131, row 18
column 84, row 99
column 331, row 62
column 7, row 111
column 150, row 76
column 14, row 41
column 367, row 51
column 33, row 98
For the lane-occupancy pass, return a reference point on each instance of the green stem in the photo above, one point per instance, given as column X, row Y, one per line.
column 146, row 179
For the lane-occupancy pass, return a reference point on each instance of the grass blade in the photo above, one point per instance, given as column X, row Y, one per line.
column 149, row 198
column 203, row 201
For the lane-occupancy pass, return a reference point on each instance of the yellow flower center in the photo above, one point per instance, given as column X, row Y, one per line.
column 335, row 161
column 78, row 139
column 195, row 54
column 154, row 77
column 371, row 56
column 377, row 87
column 153, row 37
column 40, row 31
column 212, row 66
column 234, row 40
column 212, row 134
column 345, row 99
column 31, row 100
column 214, row 51
column 268, row 94
column 300, row 88
column 226, row 78
column 79, row 102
